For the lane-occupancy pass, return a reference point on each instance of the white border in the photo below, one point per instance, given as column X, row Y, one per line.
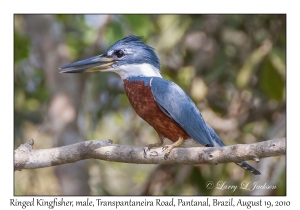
column 291, row 8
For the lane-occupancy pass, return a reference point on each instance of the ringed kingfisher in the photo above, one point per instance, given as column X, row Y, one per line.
column 161, row 103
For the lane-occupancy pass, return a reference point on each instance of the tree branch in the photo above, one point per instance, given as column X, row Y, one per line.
column 28, row 158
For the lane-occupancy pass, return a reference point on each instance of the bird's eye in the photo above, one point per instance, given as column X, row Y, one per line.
column 119, row 53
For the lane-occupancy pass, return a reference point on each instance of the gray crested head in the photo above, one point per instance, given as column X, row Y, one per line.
column 128, row 57
column 131, row 50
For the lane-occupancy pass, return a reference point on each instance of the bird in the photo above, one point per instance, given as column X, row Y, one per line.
column 161, row 103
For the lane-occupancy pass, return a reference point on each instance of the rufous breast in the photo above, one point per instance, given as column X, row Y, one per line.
column 141, row 98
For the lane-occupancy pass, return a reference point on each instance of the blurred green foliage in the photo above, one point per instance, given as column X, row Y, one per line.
column 271, row 82
column 233, row 67
column 21, row 46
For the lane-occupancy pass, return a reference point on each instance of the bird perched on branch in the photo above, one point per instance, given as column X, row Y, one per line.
column 161, row 103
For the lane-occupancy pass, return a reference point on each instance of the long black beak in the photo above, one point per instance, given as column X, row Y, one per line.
column 97, row 63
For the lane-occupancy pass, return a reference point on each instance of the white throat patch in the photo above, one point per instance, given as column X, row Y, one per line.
column 133, row 70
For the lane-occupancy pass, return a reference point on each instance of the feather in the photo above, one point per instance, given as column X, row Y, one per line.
column 178, row 105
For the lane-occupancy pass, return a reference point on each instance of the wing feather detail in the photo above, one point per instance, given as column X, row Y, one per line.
column 175, row 103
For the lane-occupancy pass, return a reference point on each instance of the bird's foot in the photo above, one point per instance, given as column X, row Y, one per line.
column 157, row 144
column 168, row 148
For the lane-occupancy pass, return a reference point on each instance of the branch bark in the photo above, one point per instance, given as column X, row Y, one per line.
column 28, row 158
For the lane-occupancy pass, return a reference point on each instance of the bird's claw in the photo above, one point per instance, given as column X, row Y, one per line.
column 145, row 152
column 147, row 149
column 168, row 150
column 164, row 148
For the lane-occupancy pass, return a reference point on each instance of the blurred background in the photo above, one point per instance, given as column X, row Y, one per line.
column 232, row 66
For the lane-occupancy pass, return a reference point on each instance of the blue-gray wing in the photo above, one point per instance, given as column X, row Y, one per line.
column 175, row 103
column 216, row 139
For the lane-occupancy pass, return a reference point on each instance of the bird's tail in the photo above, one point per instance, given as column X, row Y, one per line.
column 248, row 167
column 218, row 142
